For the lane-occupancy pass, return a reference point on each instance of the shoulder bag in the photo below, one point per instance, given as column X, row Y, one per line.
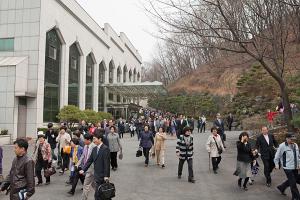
column 220, row 151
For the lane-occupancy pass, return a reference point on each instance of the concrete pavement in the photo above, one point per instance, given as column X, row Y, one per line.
column 135, row 182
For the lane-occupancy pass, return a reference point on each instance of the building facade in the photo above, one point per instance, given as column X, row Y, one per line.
column 52, row 54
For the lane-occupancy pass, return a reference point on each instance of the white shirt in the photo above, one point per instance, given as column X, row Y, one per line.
column 267, row 138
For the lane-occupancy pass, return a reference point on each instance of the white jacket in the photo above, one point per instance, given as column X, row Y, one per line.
column 212, row 147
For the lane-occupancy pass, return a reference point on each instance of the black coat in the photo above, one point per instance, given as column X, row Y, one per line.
column 266, row 150
column 180, row 126
column 101, row 163
column 244, row 152
column 220, row 126
column 51, row 137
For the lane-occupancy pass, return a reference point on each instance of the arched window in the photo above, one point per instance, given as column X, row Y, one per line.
column 52, row 76
column 89, row 81
column 134, row 75
column 102, row 70
column 138, row 76
column 130, row 76
column 124, row 74
column 111, row 72
column 119, row 72
column 74, row 73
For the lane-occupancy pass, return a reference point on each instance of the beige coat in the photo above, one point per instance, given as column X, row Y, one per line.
column 212, row 147
column 159, row 141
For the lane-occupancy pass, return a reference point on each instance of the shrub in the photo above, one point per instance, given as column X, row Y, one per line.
column 104, row 115
column 71, row 114
column 91, row 116
column 296, row 121
column 4, row 132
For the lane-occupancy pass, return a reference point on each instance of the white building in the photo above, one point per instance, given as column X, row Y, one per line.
column 52, row 53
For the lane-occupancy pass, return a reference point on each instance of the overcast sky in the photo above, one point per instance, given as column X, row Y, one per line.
column 124, row 16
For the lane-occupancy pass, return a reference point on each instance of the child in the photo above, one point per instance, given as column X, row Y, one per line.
column 254, row 166
column 1, row 169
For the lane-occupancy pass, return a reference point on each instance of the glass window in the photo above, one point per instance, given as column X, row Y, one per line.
column 111, row 72
column 119, row 75
column 111, row 96
column 101, row 73
column 89, row 83
column 52, row 77
column 118, row 98
column 7, row 44
column 74, row 66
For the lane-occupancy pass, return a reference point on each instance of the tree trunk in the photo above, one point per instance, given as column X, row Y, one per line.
column 287, row 108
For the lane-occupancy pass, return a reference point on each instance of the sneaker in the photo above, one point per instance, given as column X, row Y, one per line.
column 71, row 192
column 268, row 184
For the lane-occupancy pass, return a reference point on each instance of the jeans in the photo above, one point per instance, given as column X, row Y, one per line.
column 268, row 168
column 146, row 154
column 53, row 154
column 202, row 128
column 215, row 162
column 41, row 164
column 190, row 167
column 113, row 159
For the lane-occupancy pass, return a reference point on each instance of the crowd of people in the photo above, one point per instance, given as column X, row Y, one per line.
column 92, row 150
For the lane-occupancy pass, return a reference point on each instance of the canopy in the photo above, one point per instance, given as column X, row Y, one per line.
column 141, row 90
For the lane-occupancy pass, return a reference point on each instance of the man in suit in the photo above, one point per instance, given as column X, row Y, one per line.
column 181, row 123
column 100, row 157
column 220, row 126
column 229, row 121
column 266, row 144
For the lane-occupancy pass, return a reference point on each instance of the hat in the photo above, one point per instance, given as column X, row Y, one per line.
column 41, row 134
column 290, row 135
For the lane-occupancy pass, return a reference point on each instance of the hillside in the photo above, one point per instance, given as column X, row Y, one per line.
column 220, row 77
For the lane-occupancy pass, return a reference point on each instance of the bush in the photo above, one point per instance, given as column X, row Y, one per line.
column 91, row 116
column 71, row 114
column 104, row 115
column 4, row 132
column 296, row 121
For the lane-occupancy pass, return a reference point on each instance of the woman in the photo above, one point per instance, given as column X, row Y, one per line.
column 42, row 157
column 114, row 147
column 215, row 148
column 244, row 159
column 159, row 146
column 76, row 152
column 63, row 140
column 146, row 143
column 173, row 126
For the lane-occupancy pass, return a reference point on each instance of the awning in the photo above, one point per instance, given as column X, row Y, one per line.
column 141, row 90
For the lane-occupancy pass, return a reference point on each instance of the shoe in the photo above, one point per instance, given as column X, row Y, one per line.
column 68, row 182
column 245, row 188
column 114, row 169
column 47, row 183
column 163, row 166
column 71, row 192
column 215, row 172
column 281, row 191
column 54, row 161
column 268, row 184
column 146, row 165
column 179, row 176
column 250, row 183
column 191, row 181
column 39, row 184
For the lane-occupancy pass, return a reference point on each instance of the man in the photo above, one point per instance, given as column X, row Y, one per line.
column 100, row 157
column 266, row 145
column 51, row 136
column 220, row 126
column 288, row 154
column 185, row 151
column 21, row 176
column 181, row 123
column 89, row 175
column 229, row 121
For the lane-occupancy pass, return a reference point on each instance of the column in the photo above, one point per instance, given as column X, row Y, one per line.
column 64, row 79
column 105, row 99
column 82, row 83
column 95, row 87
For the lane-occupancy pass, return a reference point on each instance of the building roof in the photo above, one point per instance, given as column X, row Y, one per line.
column 142, row 90
column 11, row 61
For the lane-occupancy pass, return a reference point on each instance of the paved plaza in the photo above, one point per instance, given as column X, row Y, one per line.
column 135, row 182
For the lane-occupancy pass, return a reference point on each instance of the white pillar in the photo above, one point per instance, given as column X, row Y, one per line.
column 105, row 99
column 64, row 79
column 82, row 83
column 95, row 87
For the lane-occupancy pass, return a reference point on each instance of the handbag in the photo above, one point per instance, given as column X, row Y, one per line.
column 67, row 149
column 220, row 151
column 49, row 172
column 106, row 190
column 121, row 156
column 139, row 153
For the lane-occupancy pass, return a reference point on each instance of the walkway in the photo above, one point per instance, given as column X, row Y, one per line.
column 135, row 182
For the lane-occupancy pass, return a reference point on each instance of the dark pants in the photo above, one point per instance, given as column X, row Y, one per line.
column 41, row 164
column 293, row 178
column 65, row 160
column 59, row 158
column 202, row 128
column 215, row 162
column 268, row 168
column 146, row 154
column 229, row 126
column 53, row 154
column 75, row 178
column 98, row 183
column 113, row 159
column 121, row 134
column 131, row 133
column 190, row 167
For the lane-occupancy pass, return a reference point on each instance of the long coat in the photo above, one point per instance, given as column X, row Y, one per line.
column 211, row 146
column 159, row 141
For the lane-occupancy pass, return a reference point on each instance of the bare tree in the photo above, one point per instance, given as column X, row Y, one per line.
column 261, row 29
